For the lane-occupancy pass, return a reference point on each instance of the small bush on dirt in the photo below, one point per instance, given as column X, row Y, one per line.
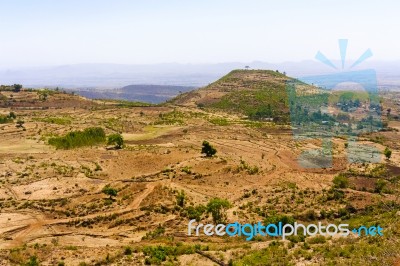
column 195, row 212
column 208, row 150
column 33, row 261
column 128, row 251
column 341, row 181
column 108, row 190
column 156, row 255
column 180, row 198
column 379, row 185
column 159, row 231
column 115, row 139
column 387, row 152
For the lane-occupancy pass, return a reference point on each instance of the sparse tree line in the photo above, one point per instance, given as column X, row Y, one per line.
column 13, row 88
column 88, row 137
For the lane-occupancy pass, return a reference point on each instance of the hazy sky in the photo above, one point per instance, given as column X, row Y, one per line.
column 54, row 32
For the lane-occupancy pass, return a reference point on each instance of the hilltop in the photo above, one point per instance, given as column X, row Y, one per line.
column 258, row 94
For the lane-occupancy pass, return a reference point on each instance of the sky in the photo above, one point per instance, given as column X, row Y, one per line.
column 49, row 32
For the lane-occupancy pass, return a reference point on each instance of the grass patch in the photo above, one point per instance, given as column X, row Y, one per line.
column 55, row 120
column 219, row 121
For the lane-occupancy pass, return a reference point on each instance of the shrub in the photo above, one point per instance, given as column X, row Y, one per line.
column 33, row 261
column 217, row 207
column 88, row 137
column 156, row 255
column 387, row 152
column 316, row 240
column 128, row 251
column 276, row 218
column 20, row 123
column 195, row 212
column 115, row 139
column 379, row 185
column 341, row 181
column 180, row 198
column 208, row 150
column 108, row 190
column 5, row 119
column 159, row 231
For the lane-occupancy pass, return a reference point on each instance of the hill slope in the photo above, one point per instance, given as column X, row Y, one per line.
column 258, row 94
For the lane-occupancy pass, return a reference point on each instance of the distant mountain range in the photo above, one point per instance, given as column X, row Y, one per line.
column 116, row 81
column 142, row 93
column 196, row 75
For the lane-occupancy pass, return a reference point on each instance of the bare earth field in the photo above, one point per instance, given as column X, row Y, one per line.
column 52, row 207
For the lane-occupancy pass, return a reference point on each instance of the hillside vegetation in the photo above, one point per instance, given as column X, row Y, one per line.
column 258, row 94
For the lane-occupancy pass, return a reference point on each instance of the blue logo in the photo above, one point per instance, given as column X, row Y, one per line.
column 344, row 104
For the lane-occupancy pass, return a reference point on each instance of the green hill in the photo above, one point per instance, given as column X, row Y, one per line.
column 258, row 94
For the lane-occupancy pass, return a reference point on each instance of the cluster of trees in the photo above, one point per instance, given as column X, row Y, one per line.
column 262, row 112
column 7, row 118
column 14, row 88
column 301, row 115
column 217, row 207
column 346, row 105
column 88, row 137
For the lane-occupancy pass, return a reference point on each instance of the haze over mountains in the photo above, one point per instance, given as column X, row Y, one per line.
column 110, row 80
column 142, row 93
column 118, row 75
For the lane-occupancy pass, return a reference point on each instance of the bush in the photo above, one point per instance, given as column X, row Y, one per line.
column 379, row 185
column 276, row 218
column 195, row 212
column 17, row 87
column 180, row 198
column 208, row 150
column 341, row 181
column 316, row 240
column 5, row 119
column 108, row 190
column 115, row 139
column 387, row 152
column 156, row 255
column 88, row 137
column 128, row 251
column 33, row 261
column 217, row 207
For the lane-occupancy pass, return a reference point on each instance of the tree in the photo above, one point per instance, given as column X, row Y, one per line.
column 208, row 150
column 180, row 198
column 217, row 208
column 387, row 152
column 20, row 123
column 108, row 190
column 12, row 115
column 115, row 139
column 389, row 110
column 17, row 87
column 43, row 96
